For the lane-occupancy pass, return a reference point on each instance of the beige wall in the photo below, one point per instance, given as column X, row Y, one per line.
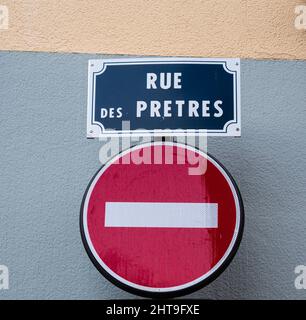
column 211, row 28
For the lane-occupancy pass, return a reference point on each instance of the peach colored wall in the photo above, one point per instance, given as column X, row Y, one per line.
column 211, row 28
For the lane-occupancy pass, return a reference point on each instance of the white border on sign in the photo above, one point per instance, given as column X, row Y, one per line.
column 168, row 289
column 98, row 66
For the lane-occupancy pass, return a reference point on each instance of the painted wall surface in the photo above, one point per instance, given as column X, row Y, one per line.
column 47, row 162
column 210, row 28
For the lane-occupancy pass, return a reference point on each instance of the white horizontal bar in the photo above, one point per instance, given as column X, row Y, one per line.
column 161, row 215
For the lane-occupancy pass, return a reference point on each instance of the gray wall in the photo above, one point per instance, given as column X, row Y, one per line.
column 47, row 162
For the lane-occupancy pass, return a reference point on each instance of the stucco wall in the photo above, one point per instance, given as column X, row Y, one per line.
column 47, row 162
column 209, row 28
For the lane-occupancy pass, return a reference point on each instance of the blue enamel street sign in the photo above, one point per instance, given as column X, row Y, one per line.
column 164, row 97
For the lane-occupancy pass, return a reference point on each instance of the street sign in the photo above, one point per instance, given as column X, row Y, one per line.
column 163, row 97
column 154, row 229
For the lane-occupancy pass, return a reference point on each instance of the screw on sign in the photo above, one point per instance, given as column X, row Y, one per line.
column 157, row 231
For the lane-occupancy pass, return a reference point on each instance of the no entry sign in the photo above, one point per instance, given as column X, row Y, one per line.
column 155, row 230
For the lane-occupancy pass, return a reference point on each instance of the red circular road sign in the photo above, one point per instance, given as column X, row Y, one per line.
column 155, row 228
